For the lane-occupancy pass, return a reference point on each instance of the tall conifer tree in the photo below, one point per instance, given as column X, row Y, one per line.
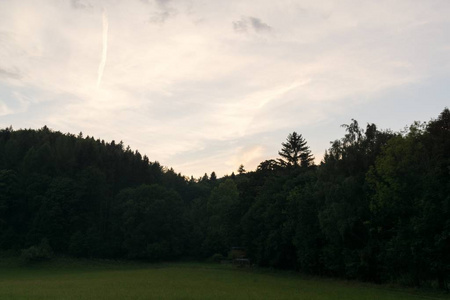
column 295, row 152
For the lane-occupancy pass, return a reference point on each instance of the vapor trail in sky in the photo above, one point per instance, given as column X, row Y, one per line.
column 101, row 67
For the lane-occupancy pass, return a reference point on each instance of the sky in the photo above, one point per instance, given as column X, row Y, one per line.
column 205, row 86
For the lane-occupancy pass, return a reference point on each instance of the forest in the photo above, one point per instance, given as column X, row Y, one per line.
column 377, row 208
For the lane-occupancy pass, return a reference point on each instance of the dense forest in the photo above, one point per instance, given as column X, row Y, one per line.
column 377, row 208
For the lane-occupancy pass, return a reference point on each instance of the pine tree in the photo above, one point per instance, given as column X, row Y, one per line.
column 241, row 169
column 295, row 152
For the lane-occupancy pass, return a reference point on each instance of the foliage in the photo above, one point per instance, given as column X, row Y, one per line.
column 217, row 257
column 295, row 152
column 151, row 222
column 36, row 253
column 376, row 209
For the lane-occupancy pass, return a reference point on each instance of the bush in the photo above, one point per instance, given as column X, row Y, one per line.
column 217, row 258
column 36, row 253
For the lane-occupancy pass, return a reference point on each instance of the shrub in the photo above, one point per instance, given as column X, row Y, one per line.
column 36, row 253
column 217, row 258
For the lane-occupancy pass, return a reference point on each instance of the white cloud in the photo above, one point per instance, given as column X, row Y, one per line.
column 171, row 88
column 4, row 109
column 19, row 104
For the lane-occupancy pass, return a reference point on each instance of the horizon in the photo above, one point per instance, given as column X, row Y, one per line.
column 203, row 87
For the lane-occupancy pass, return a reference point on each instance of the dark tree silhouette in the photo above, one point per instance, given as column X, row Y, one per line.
column 375, row 209
column 213, row 177
column 295, row 152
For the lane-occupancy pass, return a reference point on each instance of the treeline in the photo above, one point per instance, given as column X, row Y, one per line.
column 376, row 209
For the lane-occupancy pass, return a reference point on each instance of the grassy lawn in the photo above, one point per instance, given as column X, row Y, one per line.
column 67, row 279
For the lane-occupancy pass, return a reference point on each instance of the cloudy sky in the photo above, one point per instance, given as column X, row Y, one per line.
column 205, row 85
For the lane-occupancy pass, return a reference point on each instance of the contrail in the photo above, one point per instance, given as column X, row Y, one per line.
column 101, row 67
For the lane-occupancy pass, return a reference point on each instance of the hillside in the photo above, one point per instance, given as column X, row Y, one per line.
column 376, row 209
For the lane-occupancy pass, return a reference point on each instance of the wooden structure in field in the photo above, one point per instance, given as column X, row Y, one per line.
column 239, row 257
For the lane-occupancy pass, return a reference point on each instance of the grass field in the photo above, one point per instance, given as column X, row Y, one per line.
column 82, row 279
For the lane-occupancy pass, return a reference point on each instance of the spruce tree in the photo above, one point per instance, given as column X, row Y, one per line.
column 295, row 152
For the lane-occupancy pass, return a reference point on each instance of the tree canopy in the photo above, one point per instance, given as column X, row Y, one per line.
column 376, row 209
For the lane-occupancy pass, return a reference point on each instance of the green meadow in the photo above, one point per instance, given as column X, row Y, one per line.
column 84, row 279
